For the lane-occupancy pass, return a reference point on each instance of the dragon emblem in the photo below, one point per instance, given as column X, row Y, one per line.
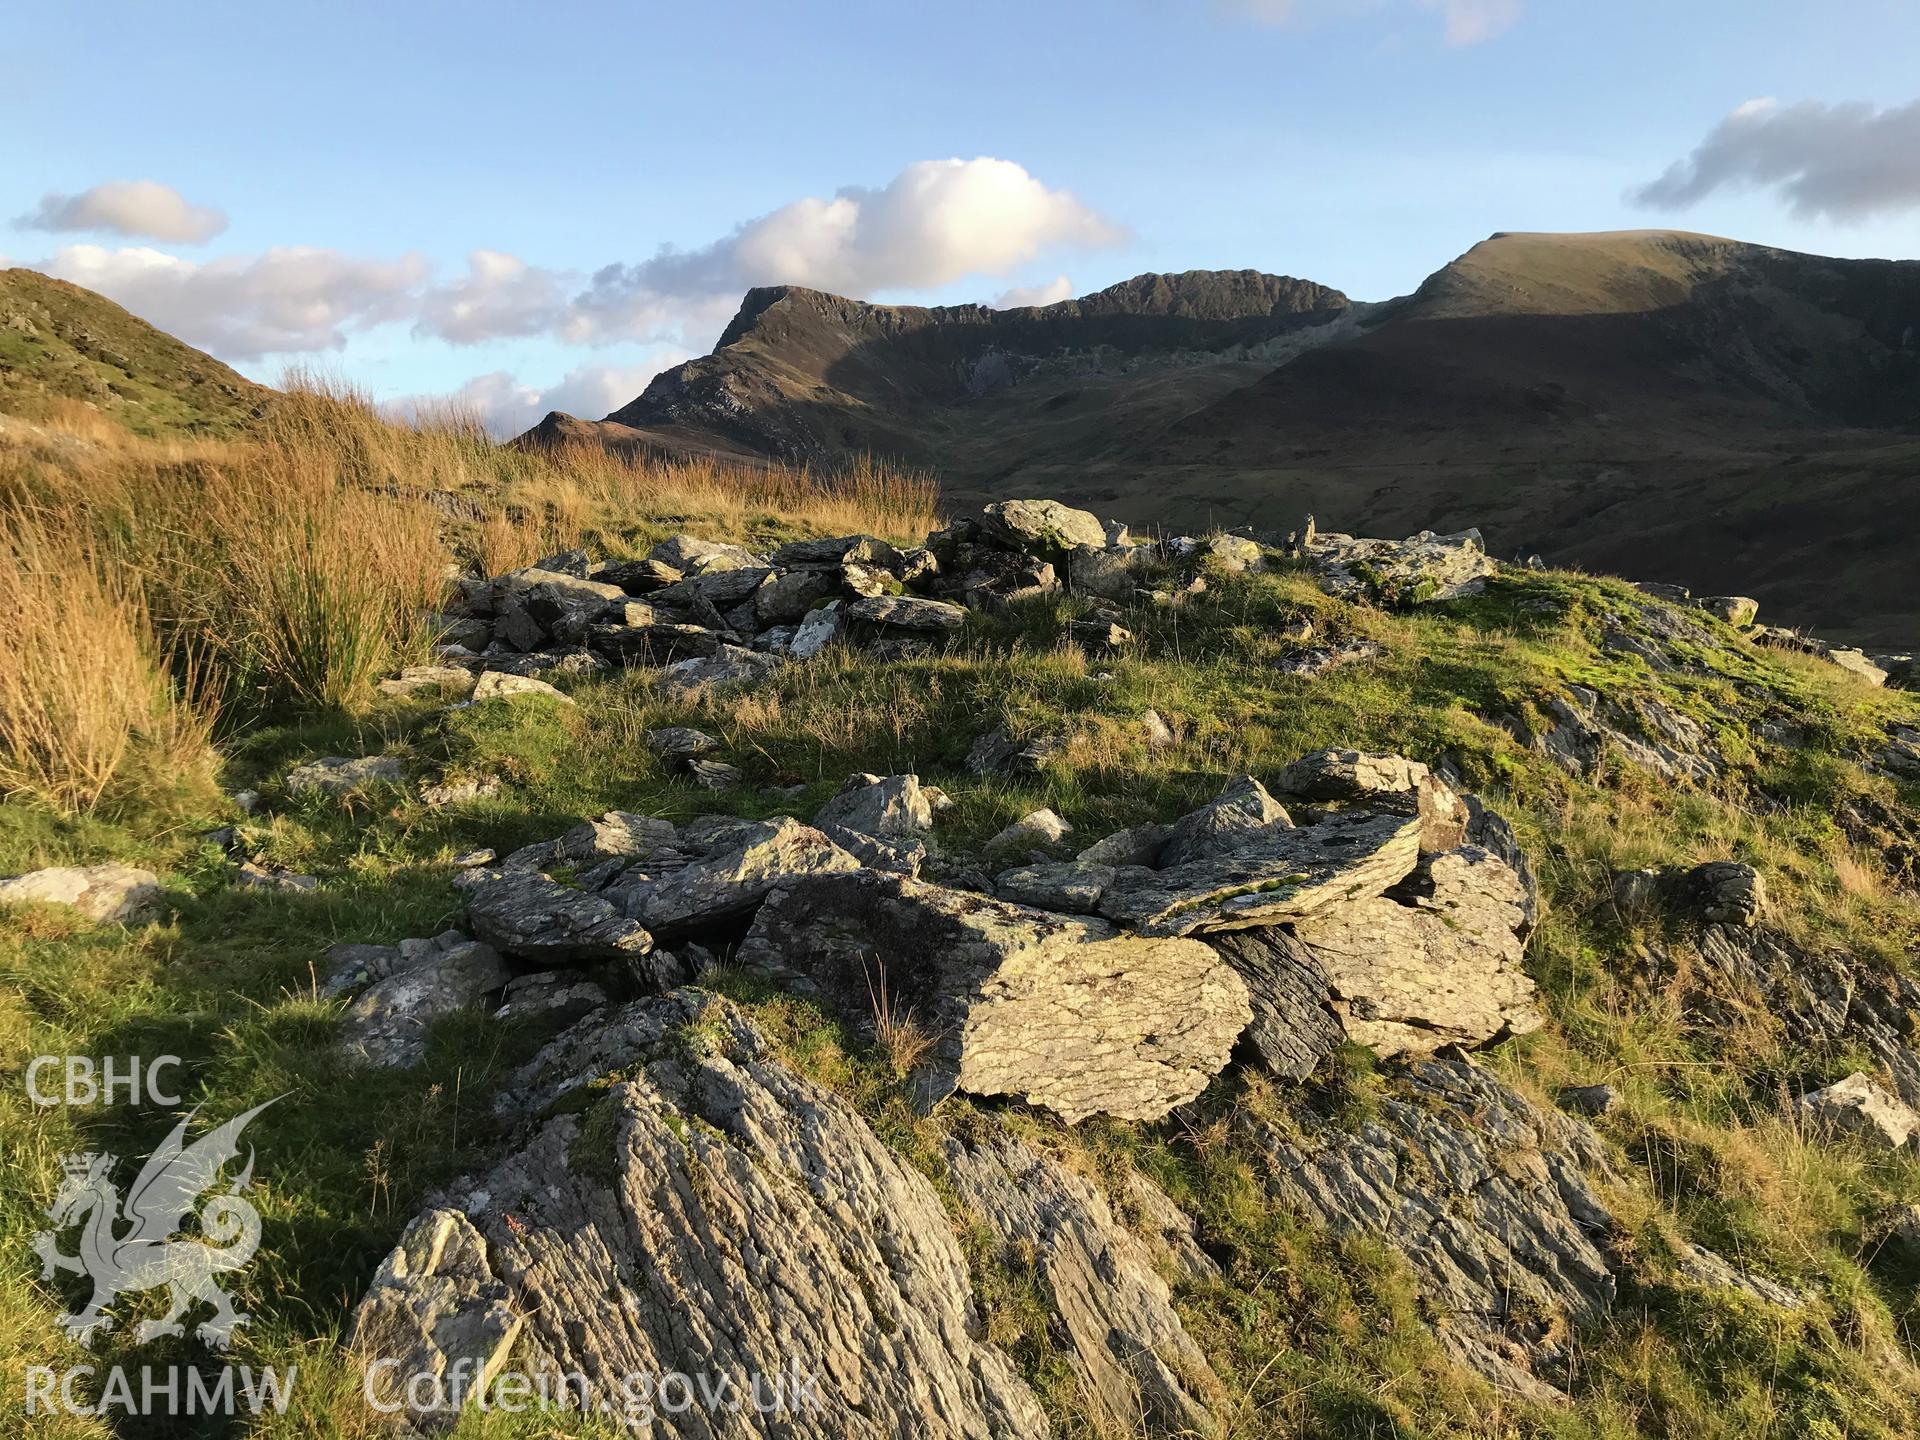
column 148, row 1254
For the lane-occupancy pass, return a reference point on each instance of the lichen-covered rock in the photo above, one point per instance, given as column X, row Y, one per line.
column 1859, row 1108
column 904, row 612
column 1128, row 1349
column 342, row 775
column 1277, row 875
column 1042, row 527
column 727, row 883
column 110, row 894
column 1437, row 963
column 1241, row 810
column 1490, row 1200
column 710, row 1214
column 429, row 680
column 500, row 685
column 879, row 806
column 538, row 919
column 1065, row 1013
column 1071, row 888
column 691, row 556
column 387, row 1024
column 1421, row 568
column 728, row 667
column 1039, row 828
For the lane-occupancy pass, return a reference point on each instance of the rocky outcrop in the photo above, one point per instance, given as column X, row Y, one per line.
column 1062, row 1012
column 540, row 920
column 726, row 884
column 1490, row 1200
column 1582, row 728
column 1274, row 875
column 1131, row 1356
column 709, row 1214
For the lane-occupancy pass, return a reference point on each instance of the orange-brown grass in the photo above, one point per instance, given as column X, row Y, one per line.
column 88, row 703
column 301, row 563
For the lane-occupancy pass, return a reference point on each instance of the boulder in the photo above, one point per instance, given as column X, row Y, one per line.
column 702, row 557
column 788, row 597
column 499, row 685
column 1242, row 810
column 881, row 806
column 1858, row 1108
column 1277, row 875
column 1107, row 572
column 1734, row 609
column 1724, row 892
column 1439, row 962
column 815, row 632
column 387, row 1025
column 728, row 668
column 342, row 775
column 1040, row 828
column 639, row 577
column 1071, row 888
column 109, row 894
column 1382, row 782
column 1422, row 568
column 1042, row 527
column 540, row 920
column 551, row 995
column 679, row 742
column 1065, row 1013
column 725, row 885
column 710, row 1213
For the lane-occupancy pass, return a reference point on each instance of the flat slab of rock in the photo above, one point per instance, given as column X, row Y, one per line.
column 109, row 893
column 342, row 775
column 905, row 612
column 1439, row 963
column 539, row 919
column 712, row 1214
column 429, row 680
column 726, row 884
column 1065, row 1013
column 499, row 685
column 1279, row 874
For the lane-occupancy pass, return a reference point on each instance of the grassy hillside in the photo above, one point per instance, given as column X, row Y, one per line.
column 61, row 345
column 1313, row 1336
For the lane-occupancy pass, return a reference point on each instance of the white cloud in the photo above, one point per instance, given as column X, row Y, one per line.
column 501, row 295
column 288, row 300
column 1052, row 293
column 934, row 222
column 143, row 209
column 1845, row 162
column 1471, row 21
column 506, row 406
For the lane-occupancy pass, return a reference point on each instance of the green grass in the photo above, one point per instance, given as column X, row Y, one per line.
column 1310, row 1336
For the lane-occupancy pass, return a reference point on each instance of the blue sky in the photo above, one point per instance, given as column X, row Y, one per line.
column 358, row 154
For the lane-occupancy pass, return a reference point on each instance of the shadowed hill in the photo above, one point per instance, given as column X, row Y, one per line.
column 61, row 343
column 1650, row 402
